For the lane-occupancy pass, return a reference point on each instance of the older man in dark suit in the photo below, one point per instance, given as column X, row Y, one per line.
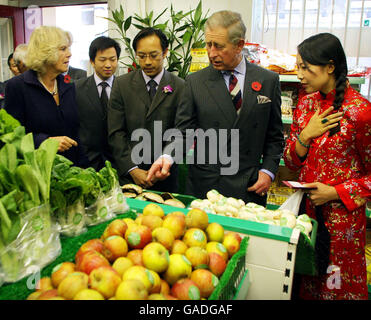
column 92, row 96
column 138, row 100
column 76, row 73
column 235, row 97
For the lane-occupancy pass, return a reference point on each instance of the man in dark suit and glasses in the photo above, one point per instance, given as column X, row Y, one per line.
column 138, row 99
column 230, row 94
column 92, row 96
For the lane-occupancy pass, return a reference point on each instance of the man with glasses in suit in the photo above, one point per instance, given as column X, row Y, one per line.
column 138, row 99
column 92, row 96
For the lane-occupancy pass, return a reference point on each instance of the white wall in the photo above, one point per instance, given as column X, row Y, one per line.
column 142, row 7
column 4, row 2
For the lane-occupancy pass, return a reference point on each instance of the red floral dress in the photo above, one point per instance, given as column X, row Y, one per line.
column 343, row 161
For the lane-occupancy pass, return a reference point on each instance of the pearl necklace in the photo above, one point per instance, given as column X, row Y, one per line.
column 55, row 90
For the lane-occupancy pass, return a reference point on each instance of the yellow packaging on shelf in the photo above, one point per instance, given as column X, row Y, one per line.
column 200, row 60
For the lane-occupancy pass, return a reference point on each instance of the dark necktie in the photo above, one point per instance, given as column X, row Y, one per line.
column 235, row 91
column 152, row 88
column 104, row 96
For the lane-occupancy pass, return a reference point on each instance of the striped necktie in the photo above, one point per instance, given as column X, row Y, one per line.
column 235, row 91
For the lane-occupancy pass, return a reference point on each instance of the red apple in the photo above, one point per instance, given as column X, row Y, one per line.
column 185, row 289
column 138, row 236
column 34, row 295
column 104, row 280
column 205, row 280
column 72, row 284
column 131, row 289
column 122, row 264
column 46, row 295
column 93, row 244
column 117, row 227
column 218, row 248
column 114, row 247
column 156, row 288
column 165, row 288
column 197, row 256
column 91, row 260
column 232, row 242
column 136, row 256
column 61, row 271
column 88, row 294
column 152, row 222
column 164, row 236
column 217, row 264
column 156, row 257
column 176, row 224
column 170, row 297
column 44, row 284
column 179, row 247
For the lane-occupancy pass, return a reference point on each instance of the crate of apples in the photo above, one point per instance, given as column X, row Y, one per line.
column 154, row 257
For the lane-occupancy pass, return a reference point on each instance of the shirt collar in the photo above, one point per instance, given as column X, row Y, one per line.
column 157, row 78
column 99, row 80
column 241, row 68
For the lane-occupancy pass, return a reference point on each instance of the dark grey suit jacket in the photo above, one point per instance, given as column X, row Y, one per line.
column 130, row 108
column 76, row 73
column 207, row 104
column 93, row 123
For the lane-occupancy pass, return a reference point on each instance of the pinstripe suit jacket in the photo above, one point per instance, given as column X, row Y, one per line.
column 206, row 104
column 130, row 108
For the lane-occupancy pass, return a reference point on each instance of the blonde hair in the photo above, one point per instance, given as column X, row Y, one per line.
column 229, row 20
column 20, row 53
column 43, row 47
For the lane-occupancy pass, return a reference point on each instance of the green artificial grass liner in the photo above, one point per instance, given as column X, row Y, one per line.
column 225, row 290
column 19, row 290
column 227, row 287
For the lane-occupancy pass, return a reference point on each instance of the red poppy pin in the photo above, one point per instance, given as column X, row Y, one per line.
column 256, row 86
column 67, row 78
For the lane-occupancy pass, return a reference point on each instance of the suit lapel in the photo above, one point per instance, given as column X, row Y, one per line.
column 160, row 95
column 140, row 88
column 93, row 95
column 219, row 92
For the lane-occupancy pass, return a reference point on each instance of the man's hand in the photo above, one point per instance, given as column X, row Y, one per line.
column 159, row 170
column 65, row 143
column 263, row 184
column 139, row 176
column 322, row 194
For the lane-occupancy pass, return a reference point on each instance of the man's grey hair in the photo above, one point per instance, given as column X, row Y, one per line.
column 229, row 20
column 20, row 53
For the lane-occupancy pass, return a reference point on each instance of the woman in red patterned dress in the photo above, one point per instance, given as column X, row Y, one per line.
column 330, row 143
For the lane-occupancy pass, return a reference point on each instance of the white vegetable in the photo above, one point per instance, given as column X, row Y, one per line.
column 246, row 215
column 242, row 203
column 253, row 205
column 288, row 220
column 233, row 202
column 196, row 203
column 232, row 210
column 213, row 195
column 306, row 225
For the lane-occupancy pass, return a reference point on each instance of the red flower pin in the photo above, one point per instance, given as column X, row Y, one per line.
column 67, row 78
column 256, row 86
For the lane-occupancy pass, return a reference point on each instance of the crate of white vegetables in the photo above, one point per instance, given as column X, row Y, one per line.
column 216, row 203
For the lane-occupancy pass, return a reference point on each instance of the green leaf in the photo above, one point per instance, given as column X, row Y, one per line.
column 198, row 13
column 127, row 24
column 187, row 36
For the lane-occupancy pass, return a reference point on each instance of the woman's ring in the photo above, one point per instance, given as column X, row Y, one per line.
column 324, row 120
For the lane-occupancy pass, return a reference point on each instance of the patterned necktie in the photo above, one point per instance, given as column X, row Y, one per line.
column 104, row 96
column 235, row 91
column 152, row 88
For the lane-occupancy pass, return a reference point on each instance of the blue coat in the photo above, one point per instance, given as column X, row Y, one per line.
column 29, row 102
